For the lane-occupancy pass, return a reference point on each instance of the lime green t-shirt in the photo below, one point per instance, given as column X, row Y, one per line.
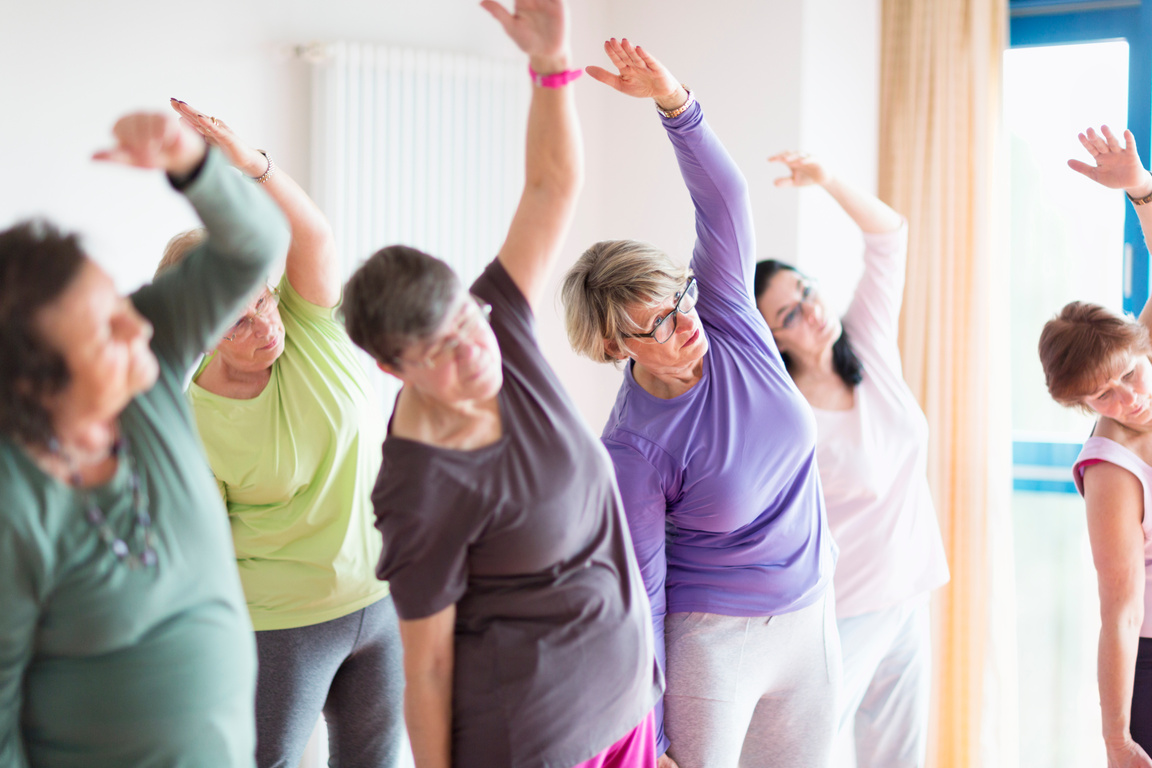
column 296, row 465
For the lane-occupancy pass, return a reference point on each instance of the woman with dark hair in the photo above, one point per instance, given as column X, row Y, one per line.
column 522, row 613
column 1098, row 361
column 124, row 639
column 871, row 447
column 727, row 522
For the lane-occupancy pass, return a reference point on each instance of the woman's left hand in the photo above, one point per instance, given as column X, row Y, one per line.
column 641, row 75
column 805, row 170
column 1117, row 166
column 539, row 28
column 217, row 133
column 154, row 140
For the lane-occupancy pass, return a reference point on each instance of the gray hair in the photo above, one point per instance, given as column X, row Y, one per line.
column 178, row 247
column 399, row 296
column 609, row 279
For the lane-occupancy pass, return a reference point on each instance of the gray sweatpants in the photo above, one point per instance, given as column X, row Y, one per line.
column 352, row 669
column 753, row 692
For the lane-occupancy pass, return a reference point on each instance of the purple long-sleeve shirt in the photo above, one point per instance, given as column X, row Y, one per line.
column 719, row 484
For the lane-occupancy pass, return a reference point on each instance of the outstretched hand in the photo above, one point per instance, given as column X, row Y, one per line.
column 217, row 133
column 1117, row 166
column 539, row 28
column 805, row 170
column 154, row 140
column 640, row 74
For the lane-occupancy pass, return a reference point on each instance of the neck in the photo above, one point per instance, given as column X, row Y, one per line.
column 88, row 441
column 461, row 424
column 667, row 383
column 241, row 374
column 813, row 365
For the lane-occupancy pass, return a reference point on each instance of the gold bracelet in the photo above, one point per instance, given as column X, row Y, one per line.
column 671, row 113
column 267, row 173
column 1140, row 200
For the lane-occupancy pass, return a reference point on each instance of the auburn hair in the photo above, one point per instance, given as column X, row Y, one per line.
column 1086, row 345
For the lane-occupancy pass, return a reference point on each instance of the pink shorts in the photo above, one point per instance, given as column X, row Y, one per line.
column 636, row 750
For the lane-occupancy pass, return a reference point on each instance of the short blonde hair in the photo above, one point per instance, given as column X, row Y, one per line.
column 178, row 247
column 609, row 279
column 1085, row 346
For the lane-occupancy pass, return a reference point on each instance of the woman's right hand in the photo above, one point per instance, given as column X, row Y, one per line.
column 804, row 169
column 217, row 133
column 665, row 762
column 641, row 75
column 1117, row 167
column 1128, row 755
column 154, row 140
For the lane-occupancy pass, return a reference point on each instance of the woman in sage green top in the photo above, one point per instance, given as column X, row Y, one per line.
column 123, row 635
column 292, row 429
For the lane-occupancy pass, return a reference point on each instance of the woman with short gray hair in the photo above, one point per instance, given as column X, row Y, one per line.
column 522, row 612
column 714, row 450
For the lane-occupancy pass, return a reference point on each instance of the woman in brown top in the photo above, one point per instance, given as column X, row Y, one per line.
column 523, row 616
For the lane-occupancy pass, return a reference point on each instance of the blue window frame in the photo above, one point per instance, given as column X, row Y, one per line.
column 1038, row 465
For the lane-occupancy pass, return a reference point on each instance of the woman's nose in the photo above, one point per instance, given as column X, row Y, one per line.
column 1126, row 395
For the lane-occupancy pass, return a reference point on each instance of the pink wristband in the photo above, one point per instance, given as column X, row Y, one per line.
column 557, row 80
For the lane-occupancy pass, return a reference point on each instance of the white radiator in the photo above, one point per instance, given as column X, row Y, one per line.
column 417, row 147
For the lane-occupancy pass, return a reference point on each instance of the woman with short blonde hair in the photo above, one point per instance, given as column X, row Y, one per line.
column 714, row 452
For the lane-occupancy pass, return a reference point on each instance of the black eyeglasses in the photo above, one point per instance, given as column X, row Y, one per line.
column 663, row 330
column 790, row 319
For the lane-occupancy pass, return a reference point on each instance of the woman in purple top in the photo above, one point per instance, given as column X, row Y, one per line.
column 714, row 451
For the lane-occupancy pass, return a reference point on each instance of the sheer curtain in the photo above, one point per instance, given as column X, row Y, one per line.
column 940, row 117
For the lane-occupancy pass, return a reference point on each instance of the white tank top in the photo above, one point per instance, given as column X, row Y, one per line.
column 1102, row 449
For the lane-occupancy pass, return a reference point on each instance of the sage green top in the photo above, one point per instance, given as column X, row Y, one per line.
column 296, row 465
column 106, row 666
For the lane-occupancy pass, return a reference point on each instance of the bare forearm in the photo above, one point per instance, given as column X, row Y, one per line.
column 871, row 214
column 555, row 156
column 312, row 263
column 1115, row 670
column 428, row 712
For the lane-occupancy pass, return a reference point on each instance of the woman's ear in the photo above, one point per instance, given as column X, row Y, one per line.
column 613, row 350
column 390, row 370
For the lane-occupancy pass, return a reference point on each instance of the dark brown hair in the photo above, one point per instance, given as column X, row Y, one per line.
column 399, row 296
column 1086, row 345
column 37, row 263
column 844, row 361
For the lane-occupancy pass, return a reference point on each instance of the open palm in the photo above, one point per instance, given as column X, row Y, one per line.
column 1117, row 166
column 640, row 74
column 538, row 27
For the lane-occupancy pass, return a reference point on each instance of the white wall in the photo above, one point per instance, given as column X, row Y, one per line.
column 772, row 74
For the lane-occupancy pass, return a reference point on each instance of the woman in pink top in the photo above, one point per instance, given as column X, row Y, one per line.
column 872, row 443
column 1098, row 361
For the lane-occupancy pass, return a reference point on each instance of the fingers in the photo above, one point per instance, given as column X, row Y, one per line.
column 499, row 12
column 1083, row 168
column 649, row 60
column 1129, row 142
column 604, row 76
column 633, row 57
column 1110, row 139
column 784, row 181
column 1098, row 145
column 616, row 54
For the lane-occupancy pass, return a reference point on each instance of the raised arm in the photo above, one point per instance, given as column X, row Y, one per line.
column 190, row 304
column 312, row 264
column 1118, row 166
column 875, row 308
column 725, row 241
column 1114, row 499
column 868, row 211
column 554, row 160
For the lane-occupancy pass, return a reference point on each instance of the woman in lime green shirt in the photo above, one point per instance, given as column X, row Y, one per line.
column 293, row 431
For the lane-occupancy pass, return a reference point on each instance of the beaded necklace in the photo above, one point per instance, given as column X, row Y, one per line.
column 141, row 526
